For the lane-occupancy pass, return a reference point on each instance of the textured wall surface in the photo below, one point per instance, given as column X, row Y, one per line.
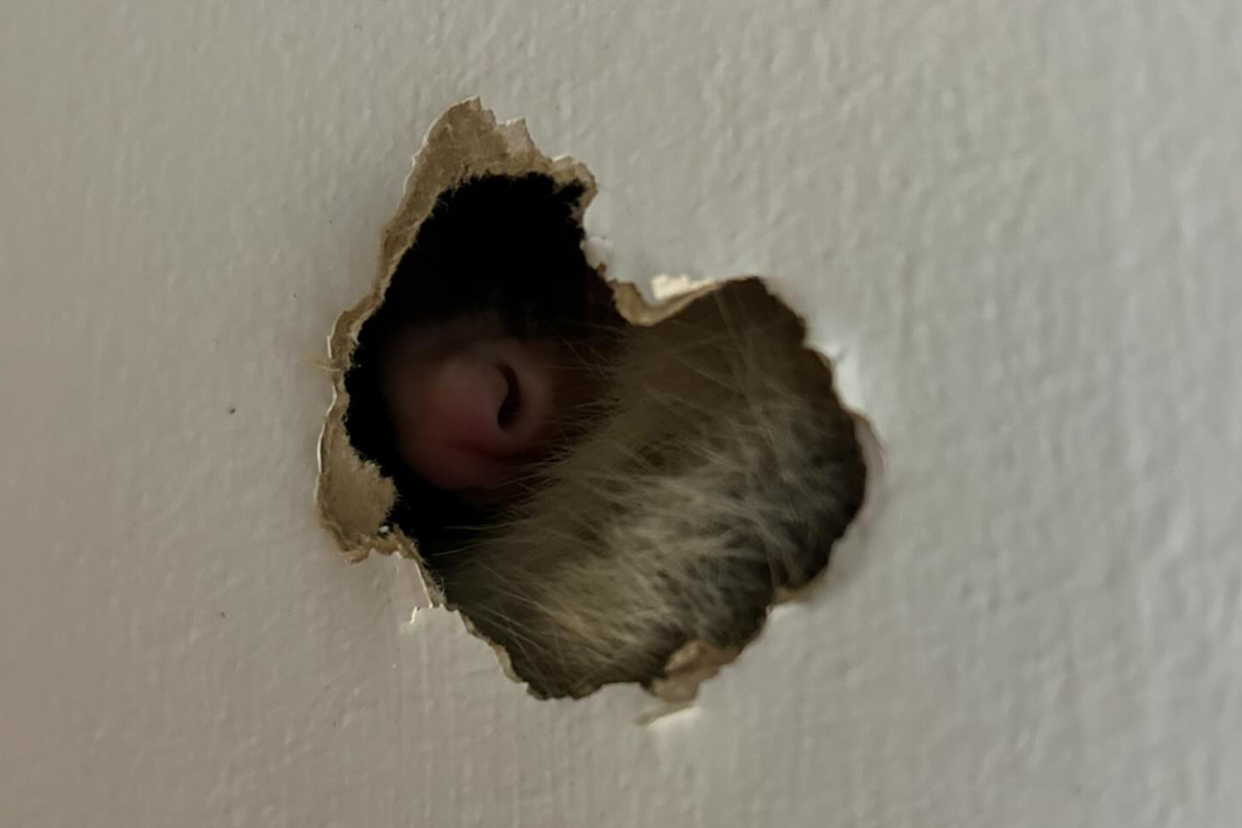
column 1018, row 224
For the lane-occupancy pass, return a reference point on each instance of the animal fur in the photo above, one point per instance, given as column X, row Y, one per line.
column 714, row 467
column 717, row 468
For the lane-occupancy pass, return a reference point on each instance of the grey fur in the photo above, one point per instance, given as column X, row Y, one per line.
column 718, row 467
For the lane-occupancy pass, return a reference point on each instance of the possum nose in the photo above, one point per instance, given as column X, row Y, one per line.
column 470, row 419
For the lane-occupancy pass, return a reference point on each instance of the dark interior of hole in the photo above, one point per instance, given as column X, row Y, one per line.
column 507, row 245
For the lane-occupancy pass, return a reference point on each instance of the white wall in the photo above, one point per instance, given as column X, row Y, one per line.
column 1019, row 222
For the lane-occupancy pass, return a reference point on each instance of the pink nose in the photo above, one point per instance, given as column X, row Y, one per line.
column 468, row 419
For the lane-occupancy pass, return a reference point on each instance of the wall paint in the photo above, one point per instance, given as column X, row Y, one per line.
column 1019, row 224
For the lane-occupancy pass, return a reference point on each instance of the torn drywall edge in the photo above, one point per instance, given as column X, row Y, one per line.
column 466, row 141
column 353, row 497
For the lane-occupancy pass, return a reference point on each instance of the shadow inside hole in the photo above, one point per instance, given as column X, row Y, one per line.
column 711, row 468
column 497, row 244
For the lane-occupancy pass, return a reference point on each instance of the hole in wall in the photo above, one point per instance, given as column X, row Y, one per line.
column 605, row 491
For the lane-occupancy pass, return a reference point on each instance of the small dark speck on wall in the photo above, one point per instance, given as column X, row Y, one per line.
column 232, row 409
